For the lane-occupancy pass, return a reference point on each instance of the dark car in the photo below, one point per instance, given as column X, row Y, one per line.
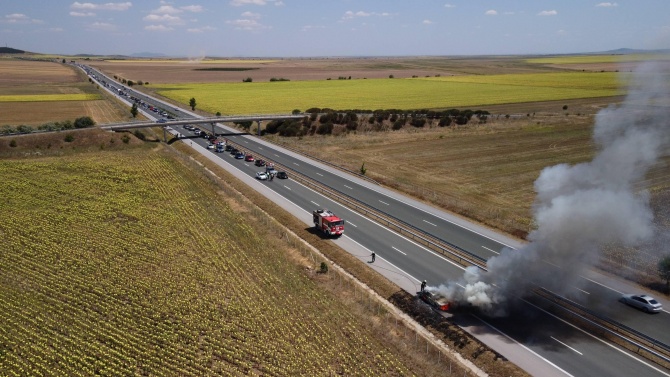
column 229, row 148
column 259, row 162
column 161, row 121
column 239, row 155
column 282, row 175
column 234, row 151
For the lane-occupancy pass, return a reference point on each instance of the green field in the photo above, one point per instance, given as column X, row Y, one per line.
column 418, row 93
column 127, row 263
column 49, row 97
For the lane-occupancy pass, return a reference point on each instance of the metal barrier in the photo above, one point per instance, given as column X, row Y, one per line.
column 640, row 343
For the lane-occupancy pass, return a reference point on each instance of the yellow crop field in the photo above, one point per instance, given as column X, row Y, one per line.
column 418, row 93
column 125, row 263
column 584, row 59
column 49, row 97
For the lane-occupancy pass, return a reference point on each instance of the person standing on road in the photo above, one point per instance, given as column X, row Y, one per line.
column 423, row 285
column 373, row 257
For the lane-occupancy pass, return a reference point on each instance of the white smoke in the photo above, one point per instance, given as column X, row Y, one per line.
column 581, row 207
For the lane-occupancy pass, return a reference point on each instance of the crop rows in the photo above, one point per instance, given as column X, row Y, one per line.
column 419, row 93
column 127, row 264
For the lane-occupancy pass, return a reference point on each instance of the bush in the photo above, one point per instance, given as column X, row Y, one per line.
column 84, row 122
column 324, row 268
column 125, row 139
column 140, row 135
column 248, row 79
column 12, row 143
column 69, row 138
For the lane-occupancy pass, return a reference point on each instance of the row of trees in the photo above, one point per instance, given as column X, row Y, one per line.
column 81, row 122
column 326, row 121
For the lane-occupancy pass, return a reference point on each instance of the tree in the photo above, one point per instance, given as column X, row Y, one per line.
column 565, row 107
column 84, row 122
column 664, row 271
column 363, row 169
column 133, row 110
column 218, row 113
column 191, row 103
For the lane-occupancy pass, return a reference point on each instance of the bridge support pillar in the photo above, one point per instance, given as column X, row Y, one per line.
column 258, row 123
column 164, row 135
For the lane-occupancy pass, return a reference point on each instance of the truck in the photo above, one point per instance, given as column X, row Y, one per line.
column 270, row 168
column 326, row 222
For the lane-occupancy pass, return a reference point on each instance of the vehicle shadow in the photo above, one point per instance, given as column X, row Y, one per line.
column 316, row 232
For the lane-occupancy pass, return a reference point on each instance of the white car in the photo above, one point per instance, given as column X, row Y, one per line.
column 643, row 302
column 262, row 176
column 210, row 146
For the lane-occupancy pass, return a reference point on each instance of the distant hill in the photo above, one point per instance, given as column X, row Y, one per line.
column 9, row 50
column 629, row 51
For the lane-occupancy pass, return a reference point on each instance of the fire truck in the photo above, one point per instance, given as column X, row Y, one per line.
column 326, row 222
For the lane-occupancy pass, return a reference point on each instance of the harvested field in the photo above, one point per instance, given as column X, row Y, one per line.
column 105, row 277
column 312, row 69
column 14, row 72
column 38, row 92
column 484, row 172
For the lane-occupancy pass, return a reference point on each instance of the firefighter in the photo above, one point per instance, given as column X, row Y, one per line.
column 373, row 257
column 423, row 285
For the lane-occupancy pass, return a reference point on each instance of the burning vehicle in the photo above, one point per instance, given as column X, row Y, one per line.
column 435, row 299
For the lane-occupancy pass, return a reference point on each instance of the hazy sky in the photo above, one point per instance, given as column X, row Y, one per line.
column 285, row 28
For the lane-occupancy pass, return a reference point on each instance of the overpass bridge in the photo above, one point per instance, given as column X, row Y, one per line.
column 211, row 120
column 181, row 122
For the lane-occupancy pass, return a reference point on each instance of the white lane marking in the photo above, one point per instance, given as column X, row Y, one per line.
column 428, row 222
column 350, row 188
column 581, row 354
column 383, row 202
column 581, row 290
column 352, row 224
column 491, row 250
column 598, row 339
column 246, row 142
column 602, row 285
column 316, row 204
column 398, row 250
column 296, row 164
column 394, row 266
column 374, row 223
column 288, row 188
column 319, row 174
column 276, row 155
column 523, row 346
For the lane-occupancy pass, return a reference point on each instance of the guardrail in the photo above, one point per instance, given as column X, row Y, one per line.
column 633, row 340
column 325, row 162
column 459, row 255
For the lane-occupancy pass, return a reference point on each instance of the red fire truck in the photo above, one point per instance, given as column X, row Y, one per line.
column 328, row 223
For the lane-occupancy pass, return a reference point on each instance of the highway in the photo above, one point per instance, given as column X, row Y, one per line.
column 568, row 350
